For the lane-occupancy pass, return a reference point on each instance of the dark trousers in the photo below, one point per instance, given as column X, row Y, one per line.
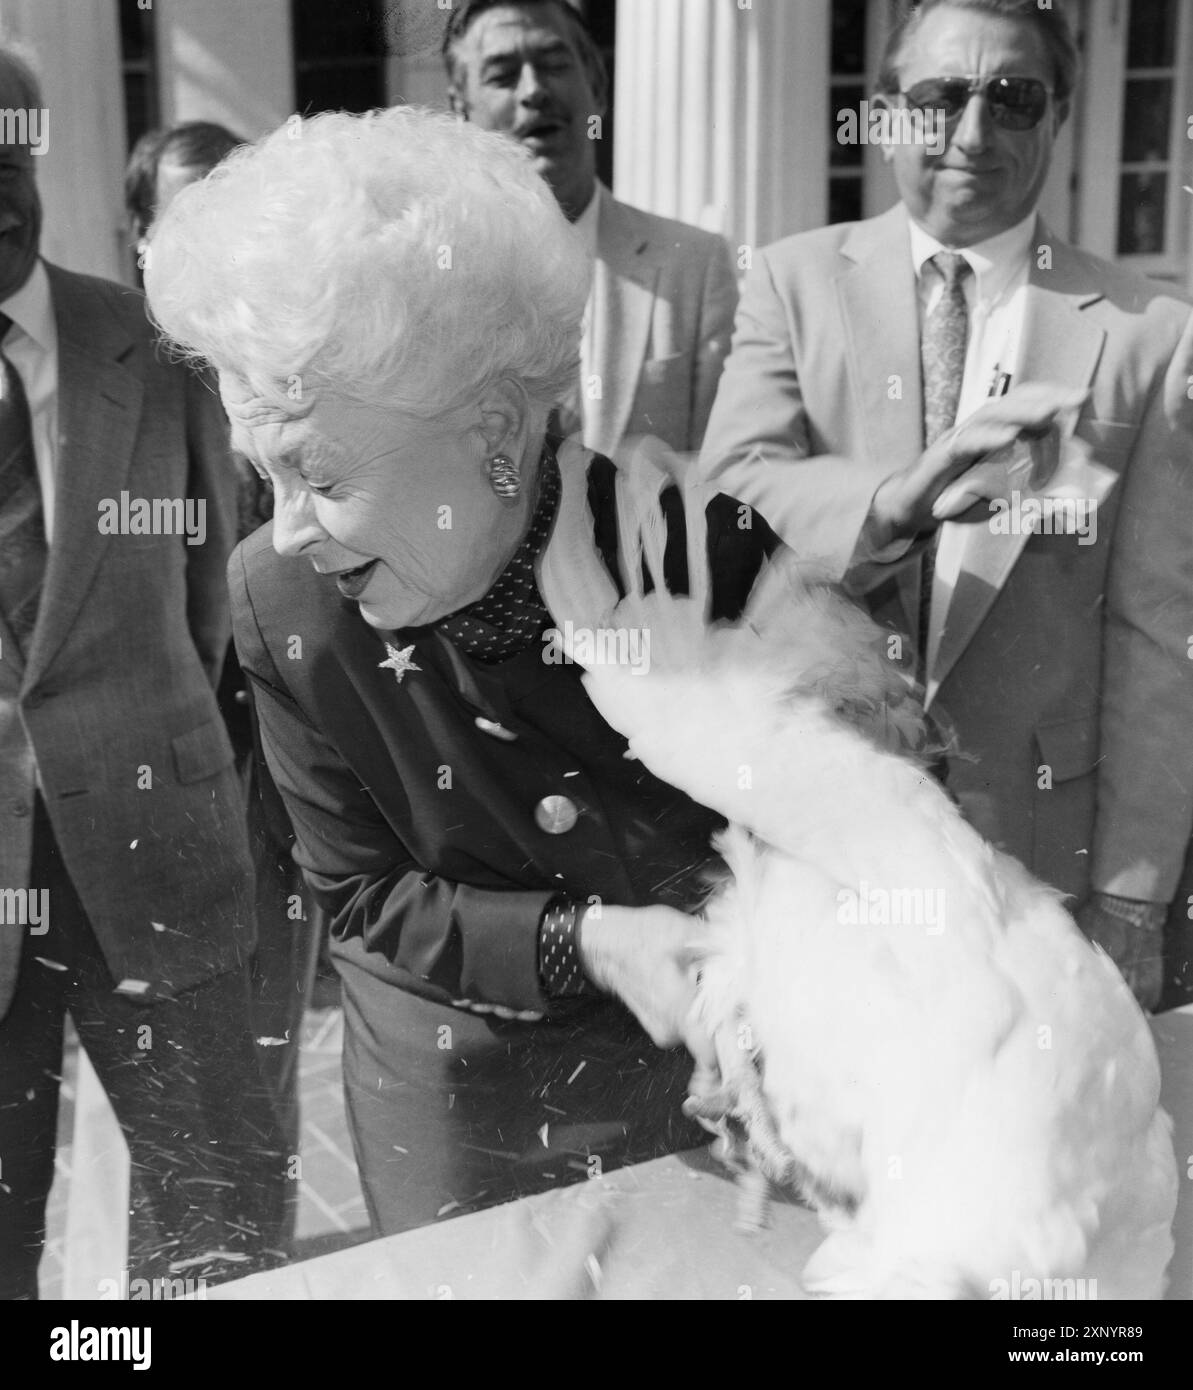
column 451, row 1112
column 209, row 1168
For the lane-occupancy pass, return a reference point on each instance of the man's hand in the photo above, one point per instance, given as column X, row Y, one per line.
column 647, row 957
column 1132, row 935
column 905, row 504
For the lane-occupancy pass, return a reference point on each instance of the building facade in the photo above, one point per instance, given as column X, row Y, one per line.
column 725, row 112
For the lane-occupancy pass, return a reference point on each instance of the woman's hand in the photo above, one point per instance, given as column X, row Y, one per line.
column 647, row 957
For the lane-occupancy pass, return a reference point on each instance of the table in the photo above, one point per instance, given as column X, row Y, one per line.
column 659, row 1230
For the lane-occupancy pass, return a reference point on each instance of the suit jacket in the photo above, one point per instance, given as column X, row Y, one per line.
column 114, row 709
column 1062, row 667
column 415, row 824
column 662, row 303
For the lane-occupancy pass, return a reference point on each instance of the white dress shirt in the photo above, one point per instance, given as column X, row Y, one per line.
column 31, row 345
column 586, row 224
column 573, row 406
column 996, row 294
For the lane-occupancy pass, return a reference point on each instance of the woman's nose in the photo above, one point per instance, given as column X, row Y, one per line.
column 296, row 528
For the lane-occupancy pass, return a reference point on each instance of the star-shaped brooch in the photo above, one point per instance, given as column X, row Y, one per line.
column 398, row 662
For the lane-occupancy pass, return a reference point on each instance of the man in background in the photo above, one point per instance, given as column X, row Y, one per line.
column 660, row 311
column 162, row 164
column 854, row 406
column 125, row 880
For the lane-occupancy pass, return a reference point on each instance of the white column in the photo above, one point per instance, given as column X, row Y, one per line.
column 75, row 47
column 722, row 113
column 226, row 61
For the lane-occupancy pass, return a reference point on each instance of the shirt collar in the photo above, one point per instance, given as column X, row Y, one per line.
column 31, row 308
column 995, row 261
column 586, row 223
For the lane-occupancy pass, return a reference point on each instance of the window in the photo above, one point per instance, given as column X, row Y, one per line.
column 848, row 88
column 339, row 54
column 1150, row 210
column 138, row 58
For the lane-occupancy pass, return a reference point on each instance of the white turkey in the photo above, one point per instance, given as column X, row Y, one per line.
column 911, row 1030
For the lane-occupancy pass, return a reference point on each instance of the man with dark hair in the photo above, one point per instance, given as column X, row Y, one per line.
column 1051, row 24
column 660, row 311
column 1046, row 588
column 164, row 161
column 125, row 880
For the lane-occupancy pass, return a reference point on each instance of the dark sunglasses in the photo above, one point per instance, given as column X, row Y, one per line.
column 1016, row 103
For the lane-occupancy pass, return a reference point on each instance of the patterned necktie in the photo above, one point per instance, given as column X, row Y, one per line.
column 22, row 525
column 942, row 358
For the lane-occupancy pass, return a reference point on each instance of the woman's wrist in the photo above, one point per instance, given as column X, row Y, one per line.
column 561, row 966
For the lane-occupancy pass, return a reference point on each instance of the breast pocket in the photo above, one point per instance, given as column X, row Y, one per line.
column 202, row 752
column 1109, row 441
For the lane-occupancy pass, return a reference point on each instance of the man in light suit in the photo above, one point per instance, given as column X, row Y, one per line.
column 1059, row 660
column 663, row 294
column 125, row 881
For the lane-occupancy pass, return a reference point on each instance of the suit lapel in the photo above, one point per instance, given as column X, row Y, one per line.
column 880, row 315
column 623, row 294
column 99, row 410
column 1061, row 345
column 12, row 661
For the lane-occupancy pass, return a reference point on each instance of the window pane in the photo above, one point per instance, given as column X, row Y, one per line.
column 1143, row 203
column 339, row 55
column 345, row 29
column 845, row 99
column 844, row 200
column 1151, row 41
column 1147, row 107
column 848, row 51
column 136, row 32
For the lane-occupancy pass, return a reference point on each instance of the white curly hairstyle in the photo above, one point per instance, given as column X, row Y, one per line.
column 403, row 257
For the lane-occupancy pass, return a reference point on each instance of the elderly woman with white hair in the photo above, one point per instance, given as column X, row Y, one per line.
column 393, row 303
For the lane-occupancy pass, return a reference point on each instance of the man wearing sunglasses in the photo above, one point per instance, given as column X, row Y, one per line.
column 898, row 387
